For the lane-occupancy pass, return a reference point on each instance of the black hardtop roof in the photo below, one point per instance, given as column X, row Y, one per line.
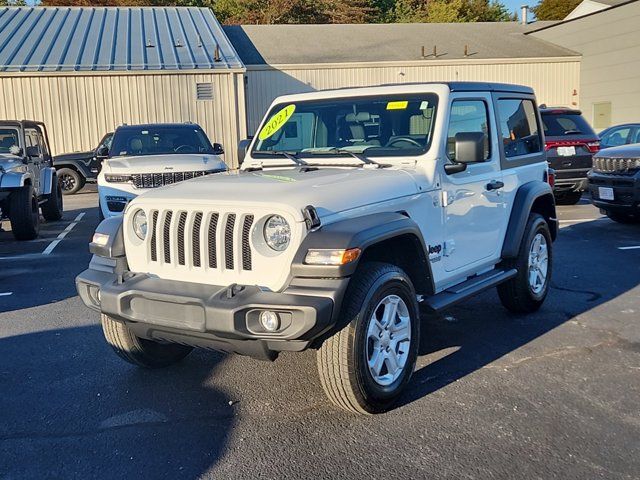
column 474, row 86
column 21, row 123
column 152, row 125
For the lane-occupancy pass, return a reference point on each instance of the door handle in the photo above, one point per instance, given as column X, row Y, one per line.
column 494, row 185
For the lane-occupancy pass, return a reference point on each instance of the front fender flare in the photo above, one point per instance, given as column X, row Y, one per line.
column 360, row 232
column 14, row 179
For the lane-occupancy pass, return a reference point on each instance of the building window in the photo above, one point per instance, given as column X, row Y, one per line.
column 601, row 115
column 519, row 127
column 204, row 91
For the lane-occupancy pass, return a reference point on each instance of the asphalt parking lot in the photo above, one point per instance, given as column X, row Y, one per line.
column 551, row 395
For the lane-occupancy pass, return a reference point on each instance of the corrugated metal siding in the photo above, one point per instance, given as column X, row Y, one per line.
column 609, row 42
column 112, row 39
column 554, row 82
column 79, row 109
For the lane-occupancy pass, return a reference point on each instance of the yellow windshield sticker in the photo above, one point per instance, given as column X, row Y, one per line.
column 400, row 105
column 276, row 122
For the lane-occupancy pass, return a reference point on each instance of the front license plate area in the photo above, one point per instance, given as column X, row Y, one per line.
column 605, row 193
column 566, row 151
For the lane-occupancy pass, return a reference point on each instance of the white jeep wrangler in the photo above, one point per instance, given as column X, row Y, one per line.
column 352, row 208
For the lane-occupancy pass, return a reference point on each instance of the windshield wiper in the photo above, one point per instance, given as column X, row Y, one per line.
column 359, row 156
column 291, row 156
column 572, row 132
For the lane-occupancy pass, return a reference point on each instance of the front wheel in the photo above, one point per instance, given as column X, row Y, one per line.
column 140, row 351
column 70, row 181
column 526, row 292
column 365, row 366
column 24, row 213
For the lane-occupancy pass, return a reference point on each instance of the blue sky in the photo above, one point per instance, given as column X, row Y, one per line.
column 516, row 4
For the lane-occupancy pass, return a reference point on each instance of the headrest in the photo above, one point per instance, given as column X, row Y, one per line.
column 135, row 144
column 357, row 117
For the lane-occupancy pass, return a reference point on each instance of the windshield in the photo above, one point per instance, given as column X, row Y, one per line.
column 380, row 126
column 159, row 140
column 565, row 124
column 8, row 138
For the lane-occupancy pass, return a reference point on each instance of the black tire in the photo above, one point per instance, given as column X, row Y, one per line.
column 24, row 213
column 52, row 209
column 517, row 294
column 568, row 198
column 626, row 219
column 343, row 358
column 140, row 351
column 70, row 181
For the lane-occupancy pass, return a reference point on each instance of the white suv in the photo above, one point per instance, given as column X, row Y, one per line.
column 352, row 208
column 143, row 157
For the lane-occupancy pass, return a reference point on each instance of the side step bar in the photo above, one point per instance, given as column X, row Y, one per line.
column 470, row 287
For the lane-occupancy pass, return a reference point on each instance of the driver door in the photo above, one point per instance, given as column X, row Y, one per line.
column 475, row 213
column 34, row 162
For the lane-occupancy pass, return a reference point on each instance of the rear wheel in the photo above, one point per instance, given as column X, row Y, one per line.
column 52, row 208
column 24, row 213
column 140, row 351
column 70, row 181
column 568, row 198
column 365, row 366
column 527, row 291
column 623, row 218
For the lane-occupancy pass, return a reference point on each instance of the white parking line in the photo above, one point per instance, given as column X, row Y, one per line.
column 54, row 244
column 634, row 247
column 5, row 294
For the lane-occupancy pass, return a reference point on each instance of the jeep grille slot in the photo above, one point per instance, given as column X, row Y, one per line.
column 154, row 180
column 228, row 241
column 246, row 246
column 166, row 237
column 182, row 220
column 195, row 238
column 154, row 247
column 213, row 227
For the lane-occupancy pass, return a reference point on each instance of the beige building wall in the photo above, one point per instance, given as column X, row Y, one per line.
column 78, row 109
column 609, row 42
column 554, row 80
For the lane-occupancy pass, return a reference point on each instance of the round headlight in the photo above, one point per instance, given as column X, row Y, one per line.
column 277, row 233
column 140, row 224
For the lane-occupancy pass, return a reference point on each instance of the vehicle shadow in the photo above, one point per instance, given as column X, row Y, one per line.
column 480, row 331
column 72, row 409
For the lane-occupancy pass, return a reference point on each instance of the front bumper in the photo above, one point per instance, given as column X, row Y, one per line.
column 626, row 191
column 224, row 318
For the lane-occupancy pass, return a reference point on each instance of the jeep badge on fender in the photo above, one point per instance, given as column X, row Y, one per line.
column 351, row 207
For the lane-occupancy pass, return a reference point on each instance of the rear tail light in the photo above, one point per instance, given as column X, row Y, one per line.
column 550, row 177
column 594, row 147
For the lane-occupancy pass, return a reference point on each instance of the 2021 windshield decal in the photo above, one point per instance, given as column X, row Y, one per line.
column 276, row 122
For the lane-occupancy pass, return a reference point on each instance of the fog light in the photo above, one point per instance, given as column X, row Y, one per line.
column 270, row 320
column 100, row 239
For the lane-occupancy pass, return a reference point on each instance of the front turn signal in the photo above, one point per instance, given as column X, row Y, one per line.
column 100, row 239
column 331, row 257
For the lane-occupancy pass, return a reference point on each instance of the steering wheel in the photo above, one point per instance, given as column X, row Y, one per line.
column 404, row 139
column 186, row 148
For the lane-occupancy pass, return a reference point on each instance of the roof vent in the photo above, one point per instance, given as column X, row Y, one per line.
column 204, row 91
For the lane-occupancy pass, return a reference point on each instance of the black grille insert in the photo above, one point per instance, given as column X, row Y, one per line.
column 228, row 241
column 246, row 245
column 154, row 248
column 197, row 224
column 182, row 220
column 213, row 226
column 166, row 237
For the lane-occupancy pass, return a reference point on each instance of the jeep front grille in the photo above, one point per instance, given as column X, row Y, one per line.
column 615, row 165
column 154, row 180
column 187, row 238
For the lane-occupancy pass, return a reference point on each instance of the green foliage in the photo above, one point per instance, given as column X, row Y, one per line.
column 554, row 9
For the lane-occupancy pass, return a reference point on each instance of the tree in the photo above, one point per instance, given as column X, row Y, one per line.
column 554, row 9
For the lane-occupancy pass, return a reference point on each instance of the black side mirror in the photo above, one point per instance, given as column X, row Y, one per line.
column 243, row 148
column 102, row 151
column 470, row 147
column 218, row 149
column 33, row 152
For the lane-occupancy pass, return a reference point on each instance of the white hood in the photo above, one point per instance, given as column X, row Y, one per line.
column 163, row 163
column 329, row 190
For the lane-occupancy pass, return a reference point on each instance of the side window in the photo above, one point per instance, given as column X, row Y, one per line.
column 31, row 138
column 616, row 137
column 519, row 126
column 468, row 116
